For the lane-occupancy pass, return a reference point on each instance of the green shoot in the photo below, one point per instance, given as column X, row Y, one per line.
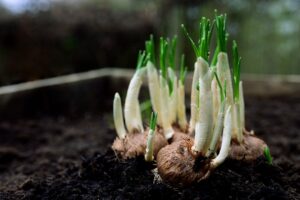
column 268, row 156
column 222, row 88
column 153, row 121
column 183, row 70
column 205, row 36
column 163, row 55
column 150, row 49
column 170, row 82
column 172, row 52
column 222, row 35
column 202, row 48
column 215, row 56
column 142, row 60
column 236, row 71
column 211, row 29
column 190, row 39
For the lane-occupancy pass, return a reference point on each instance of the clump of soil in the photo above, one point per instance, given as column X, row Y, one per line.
column 103, row 176
column 63, row 158
column 134, row 179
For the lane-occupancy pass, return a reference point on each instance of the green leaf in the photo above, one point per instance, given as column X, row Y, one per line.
column 205, row 32
column 215, row 57
column 204, row 38
column 222, row 89
column 222, row 35
column 212, row 26
column 172, row 52
column 163, row 54
column 195, row 48
column 170, row 83
column 142, row 59
column 150, row 49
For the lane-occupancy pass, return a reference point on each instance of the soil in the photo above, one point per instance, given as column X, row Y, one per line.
column 67, row 158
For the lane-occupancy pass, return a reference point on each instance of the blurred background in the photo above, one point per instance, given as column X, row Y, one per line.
column 47, row 38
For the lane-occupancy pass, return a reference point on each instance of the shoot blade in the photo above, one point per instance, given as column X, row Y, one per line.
column 163, row 55
column 195, row 48
column 142, row 59
column 268, row 155
column 150, row 49
column 172, row 52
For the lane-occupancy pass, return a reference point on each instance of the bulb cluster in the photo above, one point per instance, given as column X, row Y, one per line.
column 216, row 128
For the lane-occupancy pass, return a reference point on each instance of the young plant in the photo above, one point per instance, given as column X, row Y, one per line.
column 133, row 143
column 237, row 129
column 202, row 115
column 132, row 111
column 188, row 152
column 163, row 86
column 200, row 68
column 118, row 117
column 165, row 90
column 153, row 79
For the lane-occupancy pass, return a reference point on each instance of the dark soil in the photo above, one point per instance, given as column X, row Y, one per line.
column 65, row 158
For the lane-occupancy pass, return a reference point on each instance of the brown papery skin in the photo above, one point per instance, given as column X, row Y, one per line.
column 134, row 144
column 249, row 150
column 177, row 165
column 178, row 134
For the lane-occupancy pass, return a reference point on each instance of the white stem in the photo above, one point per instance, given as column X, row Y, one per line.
column 132, row 111
column 118, row 117
column 226, row 139
column 242, row 105
column 204, row 124
column 200, row 68
column 224, row 73
column 200, row 137
column 217, row 130
column 203, row 68
column 154, row 89
column 181, row 107
column 149, row 149
column 172, row 97
column 164, row 94
column 216, row 99
column 194, row 97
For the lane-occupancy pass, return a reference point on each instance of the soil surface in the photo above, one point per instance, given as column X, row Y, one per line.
column 64, row 158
